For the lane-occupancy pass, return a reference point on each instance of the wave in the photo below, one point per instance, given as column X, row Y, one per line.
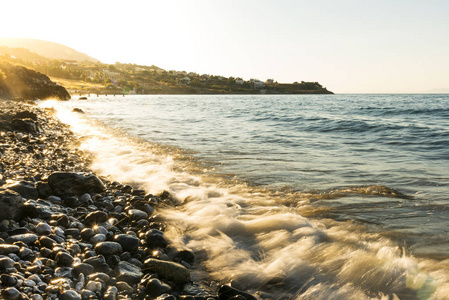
column 268, row 240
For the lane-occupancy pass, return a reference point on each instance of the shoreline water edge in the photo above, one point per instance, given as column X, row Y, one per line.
column 67, row 234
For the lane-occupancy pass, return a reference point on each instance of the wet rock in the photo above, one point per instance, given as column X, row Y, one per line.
column 96, row 217
column 128, row 273
column 11, row 204
column 86, row 294
column 11, row 293
column 93, row 286
column 137, row 214
column 155, row 287
column 43, row 189
column 84, row 268
column 108, row 248
column 78, row 110
column 6, row 249
column 24, row 252
column 47, row 242
column 128, row 242
column 123, row 286
column 99, row 275
column 64, row 259
column 25, row 115
column 26, row 189
column 99, row 237
column 6, row 263
column 227, row 293
column 65, row 183
column 70, row 295
column 170, row 270
column 43, row 228
column 27, row 238
column 155, row 238
column 25, row 125
column 8, row 280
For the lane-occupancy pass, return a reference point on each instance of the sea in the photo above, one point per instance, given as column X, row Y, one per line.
column 290, row 196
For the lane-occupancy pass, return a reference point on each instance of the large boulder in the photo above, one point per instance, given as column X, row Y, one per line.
column 18, row 82
column 66, row 183
column 170, row 270
column 11, row 204
column 26, row 189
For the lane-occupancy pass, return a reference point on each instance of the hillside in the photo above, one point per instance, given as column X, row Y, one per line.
column 17, row 82
column 47, row 49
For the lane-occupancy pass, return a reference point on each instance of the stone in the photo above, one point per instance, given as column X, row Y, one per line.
column 6, row 263
column 98, row 238
column 70, row 295
column 155, row 287
column 227, row 293
column 11, row 205
column 83, row 268
column 11, row 293
column 64, row 272
column 25, row 115
column 25, row 125
column 6, row 249
column 137, row 214
column 24, row 252
column 102, row 276
column 170, row 270
column 87, row 234
column 128, row 242
column 8, row 280
column 64, row 259
column 47, row 242
column 43, row 228
column 93, row 286
column 123, row 286
column 86, row 294
column 27, row 238
column 155, row 239
column 26, row 189
column 96, row 217
column 43, row 189
column 108, row 248
column 129, row 273
column 66, row 183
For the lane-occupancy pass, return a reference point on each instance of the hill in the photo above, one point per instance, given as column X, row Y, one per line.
column 47, row 49
column 17, row 82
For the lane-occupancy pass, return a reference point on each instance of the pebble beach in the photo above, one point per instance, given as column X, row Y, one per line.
column 66, row 233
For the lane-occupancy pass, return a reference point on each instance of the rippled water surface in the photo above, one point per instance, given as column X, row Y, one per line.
column 304, row 196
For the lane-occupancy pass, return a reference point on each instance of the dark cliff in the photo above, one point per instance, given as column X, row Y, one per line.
column 17, row 82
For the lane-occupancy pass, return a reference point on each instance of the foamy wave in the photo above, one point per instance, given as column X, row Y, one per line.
column 258, row 240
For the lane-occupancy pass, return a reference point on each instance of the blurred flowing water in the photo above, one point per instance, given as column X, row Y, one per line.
column 298, row 196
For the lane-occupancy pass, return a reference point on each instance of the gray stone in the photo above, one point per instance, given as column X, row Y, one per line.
column 128, row 242
column 64, row 259
column 83, row 268
column 123, row 286
column 11, row 204
column 25, row 125
column 6, row 249
column 66, row 183
column 108, row 248
column 6, row 263
column 26, row 189
column 11, row 293
column 97, row 238
column 170, row 270
column 70, row 295
column 156, row 288
column 137, row 214
column 27, row 238
column 96, row 217
column 43, row 228
column 129, row 273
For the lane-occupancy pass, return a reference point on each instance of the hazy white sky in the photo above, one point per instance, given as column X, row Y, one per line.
column 347, row 46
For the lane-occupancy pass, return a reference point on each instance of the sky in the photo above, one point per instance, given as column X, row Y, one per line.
column 348, row 46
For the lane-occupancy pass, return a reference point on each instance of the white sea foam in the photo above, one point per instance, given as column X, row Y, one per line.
column 251, row 238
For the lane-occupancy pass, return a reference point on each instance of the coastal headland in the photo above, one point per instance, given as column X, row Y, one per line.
column 66, row 233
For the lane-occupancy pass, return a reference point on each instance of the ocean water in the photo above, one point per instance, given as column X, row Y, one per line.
column 295, row 196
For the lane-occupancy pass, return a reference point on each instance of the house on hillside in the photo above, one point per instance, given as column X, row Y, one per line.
column 184, row 80
column 269, row 81
column 256, row 83
column 239, row 81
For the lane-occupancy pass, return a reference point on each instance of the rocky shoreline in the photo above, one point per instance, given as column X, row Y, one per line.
column 67, row 234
